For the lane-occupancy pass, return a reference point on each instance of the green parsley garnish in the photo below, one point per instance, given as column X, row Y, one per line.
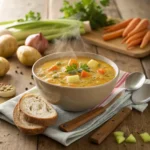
column 73, row 69
column 84, row 67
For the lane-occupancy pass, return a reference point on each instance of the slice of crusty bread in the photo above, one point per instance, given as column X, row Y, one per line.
column 37, row 110
column 23, row 125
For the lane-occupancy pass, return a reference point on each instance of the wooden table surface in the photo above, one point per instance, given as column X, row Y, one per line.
column 20, row 76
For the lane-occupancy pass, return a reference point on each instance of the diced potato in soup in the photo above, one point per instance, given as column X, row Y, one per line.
column 76, row 72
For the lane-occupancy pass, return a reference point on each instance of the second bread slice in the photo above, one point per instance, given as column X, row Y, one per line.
column 37, row 110
column 24, row 125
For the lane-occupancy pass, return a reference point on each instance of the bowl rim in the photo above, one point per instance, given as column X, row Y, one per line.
column 76, row 52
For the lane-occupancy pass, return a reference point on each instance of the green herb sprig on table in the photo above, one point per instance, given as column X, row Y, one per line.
column 31, row 16
column 87, row 10
column 73, row 69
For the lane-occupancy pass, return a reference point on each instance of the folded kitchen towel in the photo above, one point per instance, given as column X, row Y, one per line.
column 66, row 138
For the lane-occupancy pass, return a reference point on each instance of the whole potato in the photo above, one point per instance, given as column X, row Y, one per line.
column 28, row 55
column 4, row 66
column 8, row 45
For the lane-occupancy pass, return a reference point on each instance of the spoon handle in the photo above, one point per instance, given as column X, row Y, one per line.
column 84, row 118
column 101, row 134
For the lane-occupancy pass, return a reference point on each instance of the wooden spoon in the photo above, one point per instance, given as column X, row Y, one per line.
column 82, row 119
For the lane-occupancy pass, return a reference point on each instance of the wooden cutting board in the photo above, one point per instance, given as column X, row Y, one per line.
column 95, row 38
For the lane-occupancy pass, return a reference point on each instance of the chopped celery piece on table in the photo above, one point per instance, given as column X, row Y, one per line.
column 118, row 133
column 145, row 137
column 120, row 139
column 131, row 139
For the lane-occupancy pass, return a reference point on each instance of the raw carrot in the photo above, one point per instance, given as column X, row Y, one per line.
column 143, row 24
column 105, row 28
column 134, row 43
column 118, row 26
column 101, row 71
column 138, row 35
column 54, row 67
column 73, row 61
column 84, row 74
column 113, row 35
column 145, row 40
column 125, row 39
column 133, row 23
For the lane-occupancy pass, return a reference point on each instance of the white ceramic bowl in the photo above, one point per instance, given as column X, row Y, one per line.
column 74, row 98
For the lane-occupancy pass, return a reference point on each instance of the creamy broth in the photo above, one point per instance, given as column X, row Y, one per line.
column 76, row 72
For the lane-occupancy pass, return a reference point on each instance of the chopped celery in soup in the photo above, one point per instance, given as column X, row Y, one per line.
column 76, row 72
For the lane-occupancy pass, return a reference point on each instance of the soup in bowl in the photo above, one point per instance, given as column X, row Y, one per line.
column 75, row 81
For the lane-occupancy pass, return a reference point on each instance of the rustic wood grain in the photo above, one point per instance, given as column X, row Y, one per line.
column 146, row 65
column 133, row 8
column 18, row 75
column 125, row 63
column 11, row 138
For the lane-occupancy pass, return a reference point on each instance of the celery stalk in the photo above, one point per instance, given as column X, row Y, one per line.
column 7, row 22
column 21, row 35
column 49, row 28
column 63, row 35
column 52, row 23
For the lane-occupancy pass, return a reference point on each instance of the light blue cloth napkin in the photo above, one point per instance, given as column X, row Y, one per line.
column 66, row 138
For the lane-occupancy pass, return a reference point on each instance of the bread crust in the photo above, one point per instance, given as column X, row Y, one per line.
column 29, row 131
column 38, row 120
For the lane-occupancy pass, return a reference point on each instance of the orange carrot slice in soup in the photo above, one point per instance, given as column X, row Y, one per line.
column 54, row 67
column 73, row 61
column 84, row 74
column 101, row 71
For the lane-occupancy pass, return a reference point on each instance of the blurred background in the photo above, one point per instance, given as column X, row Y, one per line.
column 14, row 9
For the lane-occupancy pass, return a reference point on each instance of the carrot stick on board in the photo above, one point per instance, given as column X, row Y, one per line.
column 134, row 43
column 138, row 35
column 133, row 23
column 126, row 38
column 143, row 24
column 112, row 35
column 118, row 26
column 145, row 40
column 105, row 28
